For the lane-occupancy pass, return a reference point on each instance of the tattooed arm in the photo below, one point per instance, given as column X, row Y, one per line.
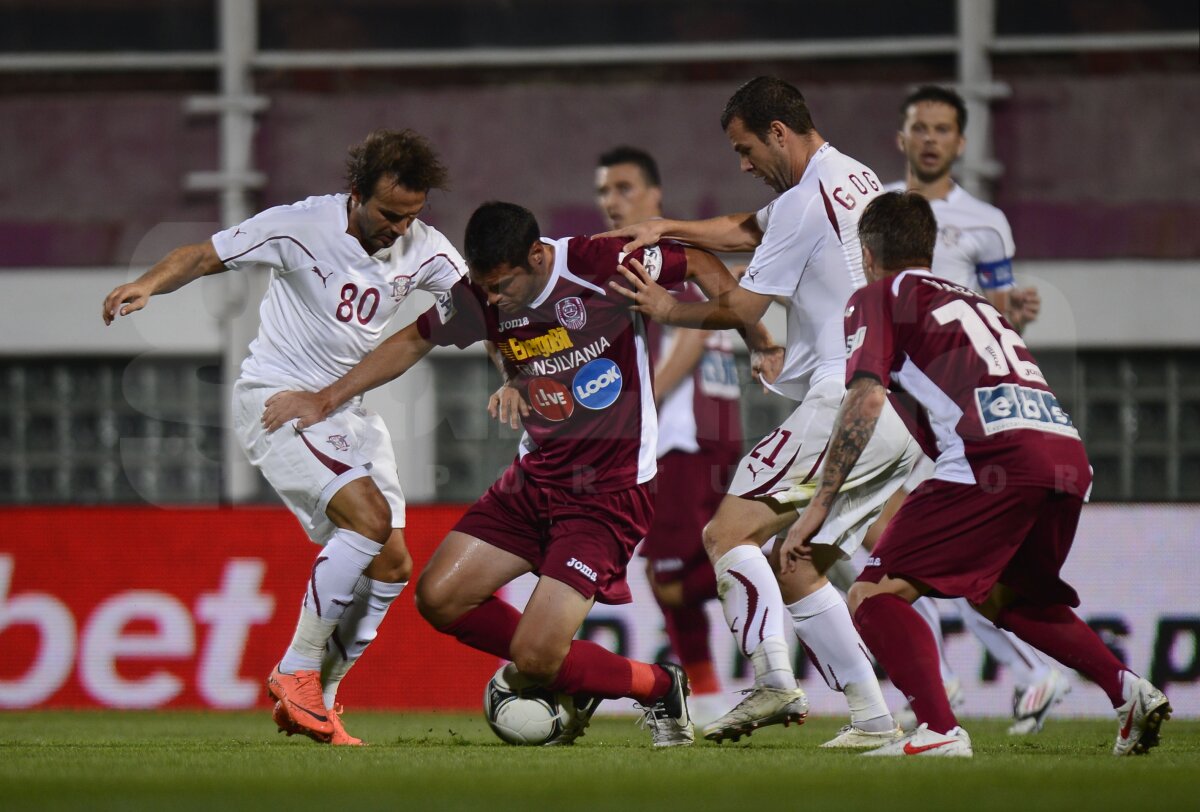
column 852, row 431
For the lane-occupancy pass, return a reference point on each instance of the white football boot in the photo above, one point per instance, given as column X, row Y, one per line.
column 924, row 742
column 1140, row 719
column 1032, row 705
column 762, row 706
column 668, row 719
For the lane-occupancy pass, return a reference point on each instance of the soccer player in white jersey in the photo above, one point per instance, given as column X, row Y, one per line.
column 805, row 248
column 341, row 265
column 975, row 242
column 974, row 249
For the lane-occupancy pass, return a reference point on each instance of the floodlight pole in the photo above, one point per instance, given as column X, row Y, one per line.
column 240, row 293
column 976, row 34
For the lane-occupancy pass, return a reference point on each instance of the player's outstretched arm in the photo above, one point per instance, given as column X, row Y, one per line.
column 388, row 361
column 729, row 232
column 170, row 273
column 853, row 428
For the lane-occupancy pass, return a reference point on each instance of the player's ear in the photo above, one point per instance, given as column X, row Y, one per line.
column 900, row 140
column 962, row 146
column 537, row 253
column 777, row 132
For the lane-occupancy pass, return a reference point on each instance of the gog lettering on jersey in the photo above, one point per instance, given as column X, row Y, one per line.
column 580, row 357
column 328, row 303
column 987, row 407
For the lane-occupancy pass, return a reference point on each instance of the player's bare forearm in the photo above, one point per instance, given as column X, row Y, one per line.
column 731, row 232
column 728, row 233
column 733, row 307
column 388, row 361
column 853, row 428
column 176, row 269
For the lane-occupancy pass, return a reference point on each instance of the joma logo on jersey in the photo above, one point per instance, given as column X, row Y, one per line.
column 512, row 324
column 583, row 569
column 598, row 384
column 556, row 340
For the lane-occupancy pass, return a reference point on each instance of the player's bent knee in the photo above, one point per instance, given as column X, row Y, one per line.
column 716, row 542
column 434, row 602
column 538, row 662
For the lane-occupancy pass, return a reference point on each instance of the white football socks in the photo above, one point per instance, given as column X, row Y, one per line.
column 330, row 592
column 752, row 604
column 1028, row 667
column 928, row 610
column 355, row 631
column 823, row 624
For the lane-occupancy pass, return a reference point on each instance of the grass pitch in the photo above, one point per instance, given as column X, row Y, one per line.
column 233, row 761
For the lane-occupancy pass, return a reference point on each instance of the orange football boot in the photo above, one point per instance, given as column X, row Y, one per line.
column 340, row 736
column 299, row 695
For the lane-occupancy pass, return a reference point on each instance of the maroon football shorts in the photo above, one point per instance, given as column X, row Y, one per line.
column 960, row 540
column 688, row 489
column 583, row 540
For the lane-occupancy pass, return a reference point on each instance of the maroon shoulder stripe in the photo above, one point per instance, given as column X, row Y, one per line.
column 829, row 212
column 267, row 240
column 443, row 256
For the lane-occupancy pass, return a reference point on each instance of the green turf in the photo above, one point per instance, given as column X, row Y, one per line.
column 230, row 761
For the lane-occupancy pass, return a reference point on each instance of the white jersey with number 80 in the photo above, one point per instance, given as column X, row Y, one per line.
column 328, row 303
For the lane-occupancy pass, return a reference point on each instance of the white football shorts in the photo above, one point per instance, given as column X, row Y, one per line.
column 786, row 466
column 306, row 468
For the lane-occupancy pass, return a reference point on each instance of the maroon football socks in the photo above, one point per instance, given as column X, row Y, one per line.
column 900, row 639
column 1059, row 632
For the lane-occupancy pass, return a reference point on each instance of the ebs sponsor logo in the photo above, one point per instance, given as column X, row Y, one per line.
column 597, row 384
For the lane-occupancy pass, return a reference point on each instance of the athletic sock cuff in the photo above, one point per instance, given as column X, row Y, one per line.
column 356, row 542
column 738, row 555
column 825, row 598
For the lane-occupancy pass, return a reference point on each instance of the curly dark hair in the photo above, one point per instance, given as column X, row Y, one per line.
column 404, row 154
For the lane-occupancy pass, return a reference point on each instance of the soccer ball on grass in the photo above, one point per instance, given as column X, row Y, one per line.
column 520, row 712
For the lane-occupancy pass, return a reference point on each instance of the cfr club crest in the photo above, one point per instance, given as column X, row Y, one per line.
column 571, row 313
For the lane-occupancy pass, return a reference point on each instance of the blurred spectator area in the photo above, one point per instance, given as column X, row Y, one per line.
column 1098, row 150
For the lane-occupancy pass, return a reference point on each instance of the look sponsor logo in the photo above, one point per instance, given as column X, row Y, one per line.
column 597, row 384
column 551, row 399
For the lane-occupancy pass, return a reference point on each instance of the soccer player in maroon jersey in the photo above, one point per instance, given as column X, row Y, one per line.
column 995, row 522
column 577, row 500
column 698, row 396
